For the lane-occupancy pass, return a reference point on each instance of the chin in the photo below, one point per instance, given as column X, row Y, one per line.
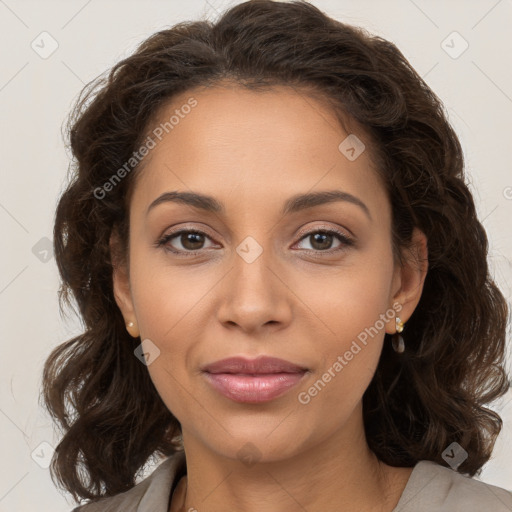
column 257, row 441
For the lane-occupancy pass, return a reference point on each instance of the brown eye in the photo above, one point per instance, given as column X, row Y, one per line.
column 186, row 241
column 191, row 240
column 322, row 240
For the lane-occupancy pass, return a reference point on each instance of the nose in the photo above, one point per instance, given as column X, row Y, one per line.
column 254, row 296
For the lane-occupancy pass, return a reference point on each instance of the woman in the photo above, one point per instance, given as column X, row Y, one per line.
column 282, row 277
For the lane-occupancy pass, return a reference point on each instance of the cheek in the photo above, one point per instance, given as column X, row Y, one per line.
column 349, row 301
column 349, row 354
column 166, row 298
column 169, row 305
column 351, row 309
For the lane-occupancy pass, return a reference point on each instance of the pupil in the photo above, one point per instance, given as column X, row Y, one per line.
column 192, row 240
column 324, row 237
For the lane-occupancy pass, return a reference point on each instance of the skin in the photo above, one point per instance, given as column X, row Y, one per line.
column 299, row 300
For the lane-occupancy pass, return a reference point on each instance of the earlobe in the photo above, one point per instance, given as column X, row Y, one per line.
column 121, row 285
column 132, row 329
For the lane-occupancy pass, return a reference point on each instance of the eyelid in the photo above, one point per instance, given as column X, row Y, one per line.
column 325, row 227
column 187, row 228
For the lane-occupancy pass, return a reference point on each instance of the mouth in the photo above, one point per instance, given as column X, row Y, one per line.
column 253, row 380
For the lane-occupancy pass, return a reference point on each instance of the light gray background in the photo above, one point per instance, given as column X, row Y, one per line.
column 36, row 95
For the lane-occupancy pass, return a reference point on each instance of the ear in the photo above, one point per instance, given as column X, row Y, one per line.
column 408, row 279
column 121, row 281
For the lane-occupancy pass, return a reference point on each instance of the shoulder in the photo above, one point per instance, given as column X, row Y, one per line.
column 150, row 495
column 432, row 487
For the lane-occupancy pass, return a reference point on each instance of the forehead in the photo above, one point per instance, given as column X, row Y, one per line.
column 255, row 145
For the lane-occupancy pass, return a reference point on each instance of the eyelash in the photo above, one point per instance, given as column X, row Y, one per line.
column 346, row 241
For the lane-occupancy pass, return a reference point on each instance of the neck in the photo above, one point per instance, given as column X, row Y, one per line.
column 341, row 470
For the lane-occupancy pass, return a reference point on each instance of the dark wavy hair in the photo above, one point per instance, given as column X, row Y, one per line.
column 419, row 401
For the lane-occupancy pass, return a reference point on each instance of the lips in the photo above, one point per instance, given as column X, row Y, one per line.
column 261, row 365
column 253, row 380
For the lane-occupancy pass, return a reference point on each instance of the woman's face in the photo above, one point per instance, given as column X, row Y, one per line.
column 259, row 279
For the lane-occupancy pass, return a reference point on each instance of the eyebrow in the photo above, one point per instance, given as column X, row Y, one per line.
column 294, row 204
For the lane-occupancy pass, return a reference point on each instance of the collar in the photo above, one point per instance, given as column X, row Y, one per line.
column 162, row 482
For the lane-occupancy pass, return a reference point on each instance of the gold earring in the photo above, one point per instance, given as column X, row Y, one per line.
column 132, row 330
column 397, row 340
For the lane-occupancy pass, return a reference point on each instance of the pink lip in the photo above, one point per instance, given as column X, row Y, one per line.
column 262, row 364
column 253, row 380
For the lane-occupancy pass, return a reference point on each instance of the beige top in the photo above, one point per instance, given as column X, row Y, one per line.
column 431, row 487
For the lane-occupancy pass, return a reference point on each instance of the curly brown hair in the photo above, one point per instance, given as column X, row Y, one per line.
column 419, row 401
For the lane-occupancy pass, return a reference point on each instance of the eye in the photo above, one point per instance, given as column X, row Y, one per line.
column 322, row 240
column 191, row 241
